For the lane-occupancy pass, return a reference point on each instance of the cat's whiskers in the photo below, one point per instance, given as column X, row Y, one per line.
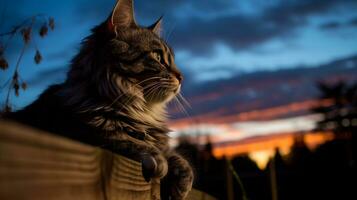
column 183, row 99
column 151, row 87
column 151, row 78
column 170, row 85
column 183, row 109
column 178, row 105
column 179, row 99
column 137, row 84
column 131, row 97
column 152, row 90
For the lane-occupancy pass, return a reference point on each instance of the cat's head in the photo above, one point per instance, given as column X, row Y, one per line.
column 121, row 58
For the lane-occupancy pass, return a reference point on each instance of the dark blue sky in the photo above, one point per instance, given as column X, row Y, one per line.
column 213, row 39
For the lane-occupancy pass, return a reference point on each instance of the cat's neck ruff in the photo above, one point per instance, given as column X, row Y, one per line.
column 129, row 111
column 139, row 117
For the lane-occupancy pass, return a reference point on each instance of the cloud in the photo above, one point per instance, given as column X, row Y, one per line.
column 330, row 25
column 353, row 22
column 242, row 32
column 197, row 26
column 238, row 32
column 147, row 13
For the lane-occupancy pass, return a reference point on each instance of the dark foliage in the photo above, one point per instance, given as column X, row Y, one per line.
column 327, row 172
column 341, row 116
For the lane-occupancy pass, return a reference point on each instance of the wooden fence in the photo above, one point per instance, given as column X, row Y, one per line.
column 37, row 165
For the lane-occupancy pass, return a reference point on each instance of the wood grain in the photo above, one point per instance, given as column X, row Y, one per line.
column 36, row 165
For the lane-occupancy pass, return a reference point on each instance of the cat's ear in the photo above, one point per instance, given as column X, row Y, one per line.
column 157, row 27
column 122, row 15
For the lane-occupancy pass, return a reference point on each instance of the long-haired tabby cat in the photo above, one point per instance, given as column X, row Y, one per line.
column 115, row 96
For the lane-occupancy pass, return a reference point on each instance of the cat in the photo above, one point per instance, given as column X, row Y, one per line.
column 115, row 97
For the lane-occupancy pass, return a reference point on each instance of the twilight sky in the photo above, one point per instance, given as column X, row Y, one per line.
column 213, row 39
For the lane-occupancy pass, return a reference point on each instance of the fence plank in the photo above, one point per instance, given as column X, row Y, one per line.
column 37, row 165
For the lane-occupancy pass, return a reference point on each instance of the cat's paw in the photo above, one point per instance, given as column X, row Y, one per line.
column 180, row 178
column 154, row 165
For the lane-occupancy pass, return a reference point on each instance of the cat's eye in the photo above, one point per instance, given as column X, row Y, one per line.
column 156, row 56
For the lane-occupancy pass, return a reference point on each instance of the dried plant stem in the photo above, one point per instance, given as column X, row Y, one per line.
column 22, row 24
column 16, row 28
column 15, row 76
column 15, row 72
column 239, row 181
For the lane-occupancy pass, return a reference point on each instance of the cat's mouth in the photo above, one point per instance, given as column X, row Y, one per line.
column 163, row 91
column 175, row 86
column 177, row 89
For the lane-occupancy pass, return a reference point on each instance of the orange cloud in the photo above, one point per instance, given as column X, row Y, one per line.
column 281, row 141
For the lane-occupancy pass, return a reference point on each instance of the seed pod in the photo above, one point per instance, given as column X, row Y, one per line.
column 23, row 85
column 43, row 30
column 26, row 34
column 16, row 88
column 3, row 63
column 38, row 57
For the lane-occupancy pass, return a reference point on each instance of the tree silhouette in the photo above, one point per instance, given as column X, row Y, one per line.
column 335, row 161
column 341, row 115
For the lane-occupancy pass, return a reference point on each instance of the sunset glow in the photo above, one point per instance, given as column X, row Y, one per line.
column 261, row 149
column 263, row 114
